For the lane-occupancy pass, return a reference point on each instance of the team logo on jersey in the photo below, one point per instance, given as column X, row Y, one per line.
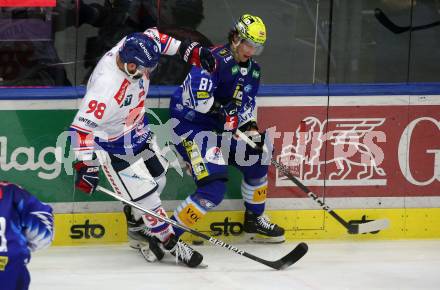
column 202, row 95
column 87, row 122
column 234, row 69
column 256, row 74
column 223, row 52
column 127, row 101
column 248, row 88
column 120, row 95
column 215, row 155
column 244, row 71
column 226, row 59
column 3, row 262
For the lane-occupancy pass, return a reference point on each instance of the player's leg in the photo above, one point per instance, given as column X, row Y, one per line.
column 173, row 244
column 14, row 275
column 131, row 178
column 209, row 177
column 257, row 225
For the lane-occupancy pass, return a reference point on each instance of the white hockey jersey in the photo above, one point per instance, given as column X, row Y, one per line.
column 112, row 116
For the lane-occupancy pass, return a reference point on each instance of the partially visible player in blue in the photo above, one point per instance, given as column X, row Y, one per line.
column 208, row 105
column 26, row 225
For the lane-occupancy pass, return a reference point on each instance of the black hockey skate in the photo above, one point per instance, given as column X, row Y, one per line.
column 183, row 252
column 140, row 239
column 259, row 229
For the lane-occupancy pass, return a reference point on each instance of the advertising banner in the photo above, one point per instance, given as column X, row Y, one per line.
column 372, row 149
column 356, row 151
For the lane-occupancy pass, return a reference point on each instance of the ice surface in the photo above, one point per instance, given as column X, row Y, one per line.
column 328, row 265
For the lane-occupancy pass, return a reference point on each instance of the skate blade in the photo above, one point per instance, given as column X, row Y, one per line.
column 260, row 239
column 148, row 254
column 202, row 266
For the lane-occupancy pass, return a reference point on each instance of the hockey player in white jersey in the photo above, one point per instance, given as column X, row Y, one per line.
column 111, row 131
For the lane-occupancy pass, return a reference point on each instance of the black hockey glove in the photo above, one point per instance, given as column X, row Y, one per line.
column 193, row 53
column 259, row 140
column 87, row 176
column 249, row 126
column 251, row 131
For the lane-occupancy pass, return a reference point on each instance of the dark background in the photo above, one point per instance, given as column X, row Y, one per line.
column 59, row 46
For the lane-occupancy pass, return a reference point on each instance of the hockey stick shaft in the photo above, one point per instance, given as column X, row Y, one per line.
column 352, row 228
column 293, row 256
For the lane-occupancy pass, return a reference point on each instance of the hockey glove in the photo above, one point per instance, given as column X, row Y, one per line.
column 193, row 53
column 259, row 140
column 261, row 143
column 250, row 126
column 250, row 129
column 230, row 112
column 87, row 176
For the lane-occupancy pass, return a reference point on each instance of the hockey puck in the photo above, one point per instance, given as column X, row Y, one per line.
column 197, row 243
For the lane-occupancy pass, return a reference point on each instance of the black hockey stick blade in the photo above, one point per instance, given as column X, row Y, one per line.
column 291, row 258
column 386, row 22
column 368, row 227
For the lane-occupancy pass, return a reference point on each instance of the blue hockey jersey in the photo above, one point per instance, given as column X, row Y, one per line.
column 26, row 224
column 230, row 82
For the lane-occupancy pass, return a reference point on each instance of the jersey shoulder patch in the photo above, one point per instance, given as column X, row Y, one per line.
column 255, row 70
column 223, row 54
column 202, row 95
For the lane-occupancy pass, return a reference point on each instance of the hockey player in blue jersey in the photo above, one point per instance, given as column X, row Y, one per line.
column 208, row 105
column 26, row 225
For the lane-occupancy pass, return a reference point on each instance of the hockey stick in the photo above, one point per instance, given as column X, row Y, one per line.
column 291, row 258
column 353, row 228
column 385, row 21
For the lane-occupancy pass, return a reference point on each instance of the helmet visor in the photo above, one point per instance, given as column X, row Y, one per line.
column 142, row 69
column 258, row 47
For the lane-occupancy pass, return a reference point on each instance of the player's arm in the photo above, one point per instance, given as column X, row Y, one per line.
column 36, row 218
column 89, row 119
column 92, row 115
column 247, row 120
column 190, row 51
column 247, row 114
column 197, row 90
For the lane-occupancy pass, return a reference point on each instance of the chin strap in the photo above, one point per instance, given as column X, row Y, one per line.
column 136, row 75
